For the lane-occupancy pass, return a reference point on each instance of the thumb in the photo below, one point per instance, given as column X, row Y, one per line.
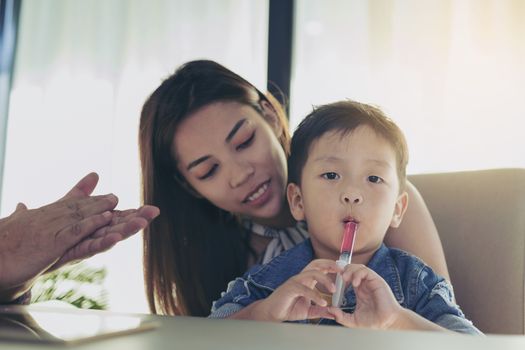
column 20, row 206
column 341, row 317
column 84, row 187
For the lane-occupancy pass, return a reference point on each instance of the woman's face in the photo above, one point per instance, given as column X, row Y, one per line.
column 230, row 155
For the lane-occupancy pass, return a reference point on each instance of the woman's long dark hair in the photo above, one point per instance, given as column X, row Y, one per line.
column 193, row 249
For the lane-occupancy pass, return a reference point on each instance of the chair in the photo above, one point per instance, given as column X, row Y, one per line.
column 480, row 216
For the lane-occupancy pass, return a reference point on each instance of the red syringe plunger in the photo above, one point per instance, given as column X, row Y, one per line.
column 348, row 238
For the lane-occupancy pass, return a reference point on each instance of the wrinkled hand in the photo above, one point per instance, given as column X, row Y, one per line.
column 376, row 306
column 297, row 298
column 123, row 225
column 74, row 227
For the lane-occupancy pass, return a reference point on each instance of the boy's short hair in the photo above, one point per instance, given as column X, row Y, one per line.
column 344, row 117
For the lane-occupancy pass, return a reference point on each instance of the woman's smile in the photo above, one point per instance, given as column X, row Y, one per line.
column 260, row 195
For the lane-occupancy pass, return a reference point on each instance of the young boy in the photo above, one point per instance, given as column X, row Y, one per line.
column 348, row 164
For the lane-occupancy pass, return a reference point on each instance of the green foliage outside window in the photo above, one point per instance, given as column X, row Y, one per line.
column 78, row 285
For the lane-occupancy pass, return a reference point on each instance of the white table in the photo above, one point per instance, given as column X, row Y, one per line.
column 200, row 333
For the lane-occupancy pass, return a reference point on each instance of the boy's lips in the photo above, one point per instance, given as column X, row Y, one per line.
column 257, row 192
column 350, row 219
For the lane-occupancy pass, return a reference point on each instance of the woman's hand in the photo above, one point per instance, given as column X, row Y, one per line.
column 376, row 306
column 297, row 298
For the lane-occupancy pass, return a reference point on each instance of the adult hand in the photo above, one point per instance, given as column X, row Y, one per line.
column 74, row 227
column 123, row 225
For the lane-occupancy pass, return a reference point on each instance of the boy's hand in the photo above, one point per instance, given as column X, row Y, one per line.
column 376, row 306
column 297, row 298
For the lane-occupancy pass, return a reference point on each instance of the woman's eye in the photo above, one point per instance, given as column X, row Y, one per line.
column 246, row 143
column 375, row 179
column 210, row 172
column 330, row 176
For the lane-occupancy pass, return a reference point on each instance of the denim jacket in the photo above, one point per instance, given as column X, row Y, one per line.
column 414, row 285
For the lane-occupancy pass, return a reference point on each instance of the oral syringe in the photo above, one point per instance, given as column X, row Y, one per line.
column 345, row 257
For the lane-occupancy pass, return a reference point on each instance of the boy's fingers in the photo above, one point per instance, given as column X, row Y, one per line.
column 323, row 265
column 316, row 311
column 354, row 273
column 342, row 317
column 312, row 278
column 359, row 276
column 311, row 295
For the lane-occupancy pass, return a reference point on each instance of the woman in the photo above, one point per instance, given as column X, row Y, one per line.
column 213, row 155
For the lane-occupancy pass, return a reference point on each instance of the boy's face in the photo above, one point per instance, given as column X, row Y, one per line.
column 351, row 177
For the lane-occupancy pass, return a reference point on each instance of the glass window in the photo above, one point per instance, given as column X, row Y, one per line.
column 450, row 73
column 83, row 70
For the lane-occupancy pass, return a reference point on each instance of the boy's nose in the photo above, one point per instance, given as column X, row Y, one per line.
column 241, row 172
column 352, row 198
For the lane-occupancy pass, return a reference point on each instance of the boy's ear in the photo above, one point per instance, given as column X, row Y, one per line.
column 399, row 210
column 295, row 201
column 270, row 114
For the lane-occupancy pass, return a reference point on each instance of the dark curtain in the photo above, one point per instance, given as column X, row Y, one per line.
column 280, row 45
column 9, row 14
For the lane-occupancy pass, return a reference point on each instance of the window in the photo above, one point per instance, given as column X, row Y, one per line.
column 450, row 73
column 83, row 70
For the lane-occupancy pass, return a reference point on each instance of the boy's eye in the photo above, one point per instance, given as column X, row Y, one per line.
column 375, row 179
column 210, row 172
column 331, row 176
column 246, row 143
